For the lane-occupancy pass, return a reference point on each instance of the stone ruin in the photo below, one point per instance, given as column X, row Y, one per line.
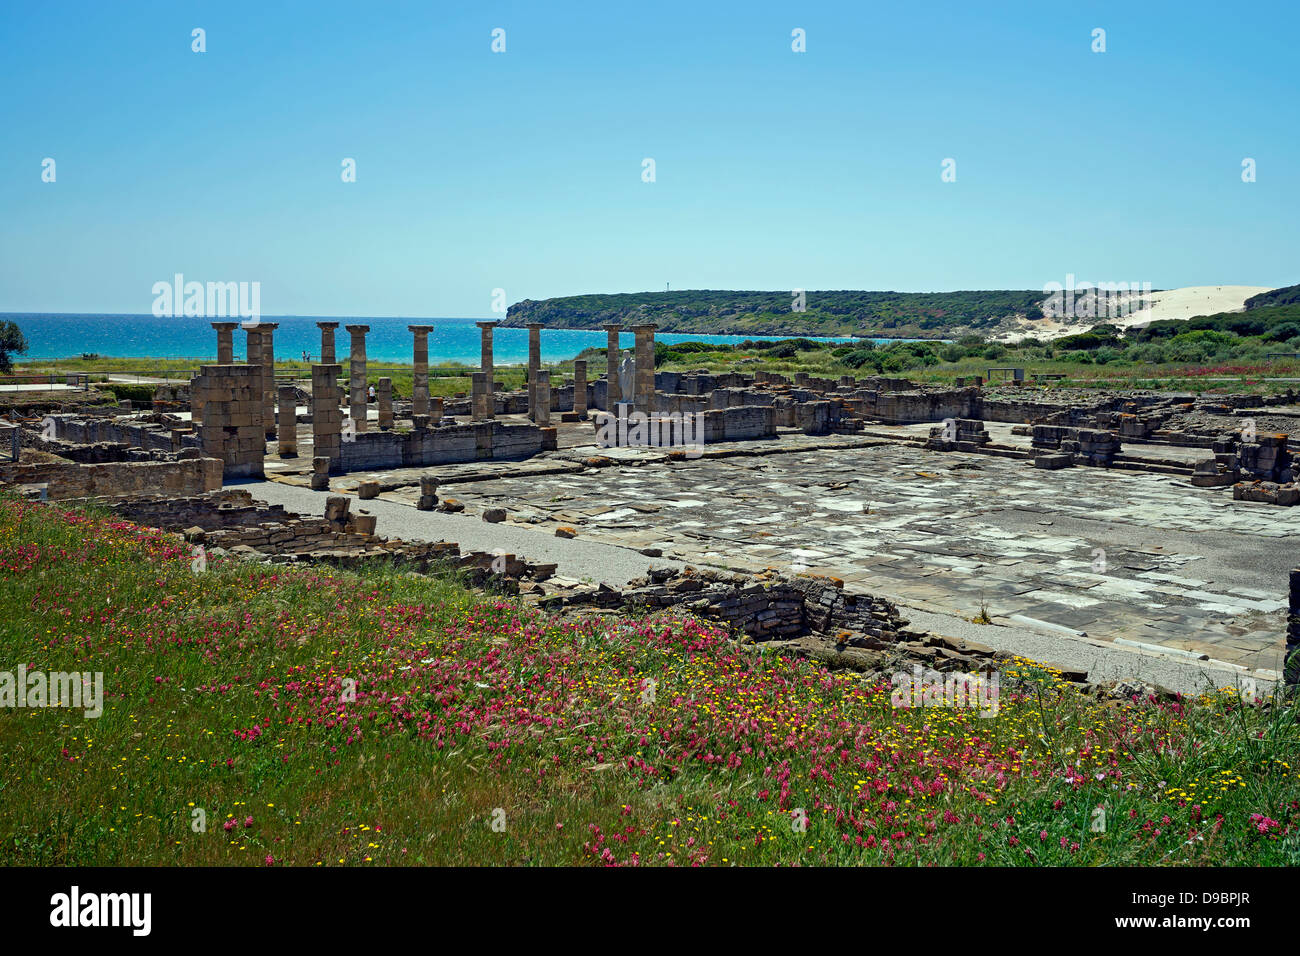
column 188, row 474
column 1061, row 446
column 232, row 522
column 958, row 434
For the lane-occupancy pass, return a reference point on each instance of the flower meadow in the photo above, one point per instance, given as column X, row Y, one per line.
column 266, row 715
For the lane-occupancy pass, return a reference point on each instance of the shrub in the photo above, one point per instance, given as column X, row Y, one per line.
column 132, row 393
column 861, row 357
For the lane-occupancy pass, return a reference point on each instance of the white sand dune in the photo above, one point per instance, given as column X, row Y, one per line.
column 1171, row 304
column 1192, row 301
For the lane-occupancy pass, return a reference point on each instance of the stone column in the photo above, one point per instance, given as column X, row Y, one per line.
column 253, row 358
column 357, row 376
column 326, row 415
column 485, row 331
column 534, row 364
column 225, row 342
column 580, row 388
column 481, row 397
column 327, row 342
column 287, row 435
column 384, row 396
column 232, row 425
column 614, row 394
column 542, row 394
column 644, row 387
column 268, row 376
column 420, row 384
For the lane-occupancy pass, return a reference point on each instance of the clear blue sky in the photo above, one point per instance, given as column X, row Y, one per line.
column 522, row 170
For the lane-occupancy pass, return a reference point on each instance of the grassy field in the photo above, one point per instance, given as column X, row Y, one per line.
column 444, row 380
column 322, row 718
column 1268, row 377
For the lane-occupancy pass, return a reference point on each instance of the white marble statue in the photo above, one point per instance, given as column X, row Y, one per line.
column 627, row 375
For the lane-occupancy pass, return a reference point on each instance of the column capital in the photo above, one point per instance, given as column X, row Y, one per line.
column 420, row 329
column 487, row 324
column 355, row 329
column 269, row 326
column 327, row 325
column 224, row 326
column 534, row 325
column 613, row 327
column 644, row 327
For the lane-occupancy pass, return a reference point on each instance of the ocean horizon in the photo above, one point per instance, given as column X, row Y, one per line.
column 52, row 336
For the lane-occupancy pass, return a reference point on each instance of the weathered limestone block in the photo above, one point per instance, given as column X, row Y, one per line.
column 613, row 389
column 644, row 380
column 420, row 378
column 384, row 397
column 540, row 398
column 63, row 480
column 326, row 414
column 482, row 397
column 268, row 377
column 232, row 428
column 320, row 473
column 358, row 396
column 580, row 388
column 327, row 356
column 287, row 435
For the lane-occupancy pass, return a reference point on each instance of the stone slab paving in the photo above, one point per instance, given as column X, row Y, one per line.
column 1118, row 555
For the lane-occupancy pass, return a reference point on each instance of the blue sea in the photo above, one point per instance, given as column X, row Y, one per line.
column 55, row 336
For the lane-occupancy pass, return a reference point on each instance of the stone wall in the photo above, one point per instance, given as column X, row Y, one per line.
column 69, row 480
column 909, row 408
column 741, row 423
column 763, row 607
column 445, row 444
column 1087, row 446
column 152, row 432
column 231, row 521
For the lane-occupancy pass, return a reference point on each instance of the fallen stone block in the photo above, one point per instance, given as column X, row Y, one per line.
column 1053, row 462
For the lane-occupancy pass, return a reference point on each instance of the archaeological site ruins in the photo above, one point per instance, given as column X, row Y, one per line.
column 844, row 519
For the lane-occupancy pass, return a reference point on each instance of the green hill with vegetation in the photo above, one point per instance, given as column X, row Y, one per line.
column 1288, row 295
column 892, row 314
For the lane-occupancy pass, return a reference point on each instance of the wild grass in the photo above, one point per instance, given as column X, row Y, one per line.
column 320, row 717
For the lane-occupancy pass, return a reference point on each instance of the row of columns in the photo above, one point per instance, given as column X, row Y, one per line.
column 261, row 353
column 643, row 383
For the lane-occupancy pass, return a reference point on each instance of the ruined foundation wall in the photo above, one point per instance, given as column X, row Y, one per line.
column 443, row 445
column 187, row 477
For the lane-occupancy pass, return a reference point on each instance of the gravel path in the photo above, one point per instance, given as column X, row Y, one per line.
column 573, row 557
column 595, row 562
column 1101, row 661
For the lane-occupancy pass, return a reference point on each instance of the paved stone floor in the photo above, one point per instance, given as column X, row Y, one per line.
column 1135, row 557
column 1119, row 555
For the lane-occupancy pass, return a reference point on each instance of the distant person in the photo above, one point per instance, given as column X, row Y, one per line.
column 372, row 393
